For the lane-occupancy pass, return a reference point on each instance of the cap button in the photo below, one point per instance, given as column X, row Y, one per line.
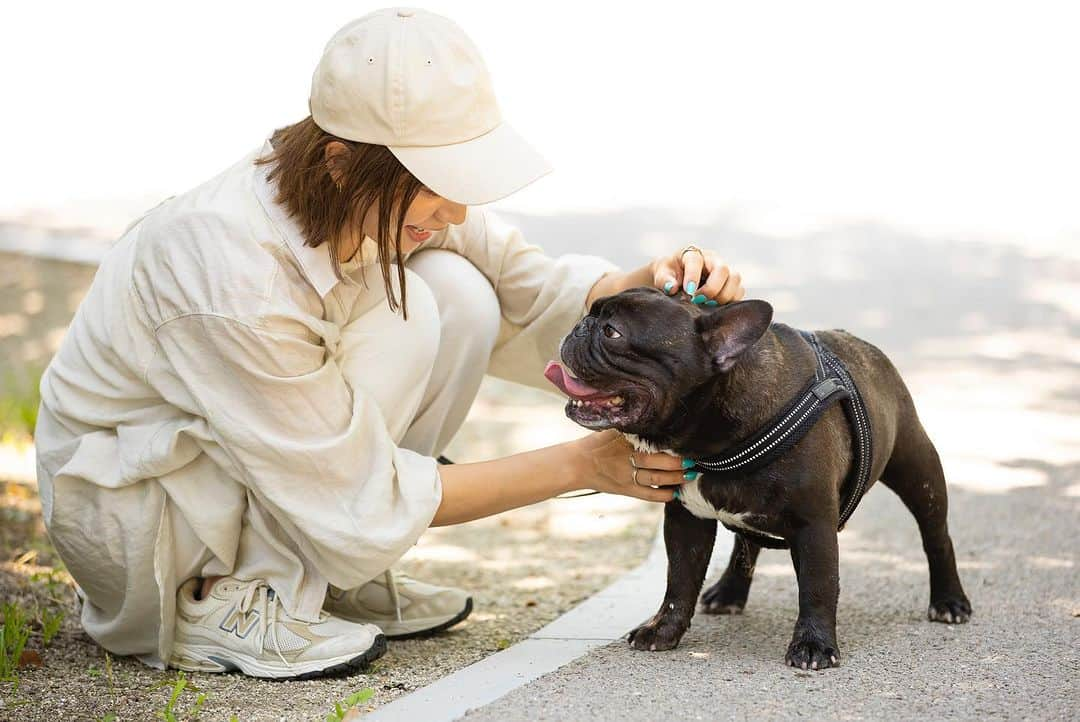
column 405, row 13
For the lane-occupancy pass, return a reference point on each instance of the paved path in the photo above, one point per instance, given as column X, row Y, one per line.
column 1017, row 658
column 988, row 339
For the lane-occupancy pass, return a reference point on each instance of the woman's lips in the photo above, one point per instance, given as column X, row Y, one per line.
column 417, row 236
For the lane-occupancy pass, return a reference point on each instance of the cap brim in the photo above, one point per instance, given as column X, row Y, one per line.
column 481, row 170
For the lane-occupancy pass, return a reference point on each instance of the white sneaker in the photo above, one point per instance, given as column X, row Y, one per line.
column 243, row 626
column 401, row 606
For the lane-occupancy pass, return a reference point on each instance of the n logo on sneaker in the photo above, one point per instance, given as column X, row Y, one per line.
column 239, row 623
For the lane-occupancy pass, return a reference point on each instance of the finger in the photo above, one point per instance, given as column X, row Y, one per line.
column 660, row 461
column 651, row 477
column 731, row 289
column 691, row 267
column 719, row 275
column 741, row 295
column 666, row 275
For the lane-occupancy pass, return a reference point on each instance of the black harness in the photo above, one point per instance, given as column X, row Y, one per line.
column 831, row 383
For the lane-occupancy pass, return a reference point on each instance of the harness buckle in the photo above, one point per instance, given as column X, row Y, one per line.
column 827, row 388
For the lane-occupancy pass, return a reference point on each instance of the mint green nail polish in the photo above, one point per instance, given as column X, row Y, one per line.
column 691, row 475
column 675, row 495
column 700, row 298
column 668, row 286
column 687, row 463
column 711, row 302
column 691, row 287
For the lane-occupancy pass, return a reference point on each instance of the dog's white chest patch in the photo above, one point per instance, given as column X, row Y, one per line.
column 690, row 495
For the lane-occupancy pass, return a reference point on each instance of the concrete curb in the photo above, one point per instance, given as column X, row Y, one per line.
column 603, row 618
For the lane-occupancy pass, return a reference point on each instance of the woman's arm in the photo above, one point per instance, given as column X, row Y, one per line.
column 599, row 461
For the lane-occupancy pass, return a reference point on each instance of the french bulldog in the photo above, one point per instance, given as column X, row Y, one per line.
column 694, row 381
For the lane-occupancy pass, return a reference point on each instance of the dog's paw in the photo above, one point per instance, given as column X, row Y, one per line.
column 807, row 651
column 659, row 633
column 724, row 598
column 950, row 611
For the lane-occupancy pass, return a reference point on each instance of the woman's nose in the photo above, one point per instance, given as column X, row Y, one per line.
column 452, row 213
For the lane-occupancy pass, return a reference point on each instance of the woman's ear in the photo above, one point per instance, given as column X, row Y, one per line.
column 729, row 330
column 334, row 154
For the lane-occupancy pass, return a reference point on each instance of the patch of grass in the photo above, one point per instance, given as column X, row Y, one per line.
column 179, row 684
column 342, row 708
column 51, row 619
column 19, row 401
column 13, row 637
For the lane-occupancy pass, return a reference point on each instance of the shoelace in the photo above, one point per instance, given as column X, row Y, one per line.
column 391, row 585
column 268, row 606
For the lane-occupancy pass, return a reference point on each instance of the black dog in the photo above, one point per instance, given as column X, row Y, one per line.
column 698, row 382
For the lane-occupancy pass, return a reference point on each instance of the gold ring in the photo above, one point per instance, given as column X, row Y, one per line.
column 692, row 247
column 636, row 470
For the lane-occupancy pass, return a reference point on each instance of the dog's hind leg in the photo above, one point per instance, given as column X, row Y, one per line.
column 914, row 473
column 728, row 596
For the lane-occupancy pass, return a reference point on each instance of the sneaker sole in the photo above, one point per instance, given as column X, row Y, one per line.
column 200, row 659
column 460, row 617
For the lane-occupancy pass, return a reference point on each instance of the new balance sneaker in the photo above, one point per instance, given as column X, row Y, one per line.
column 401, row 606
column 242, row 626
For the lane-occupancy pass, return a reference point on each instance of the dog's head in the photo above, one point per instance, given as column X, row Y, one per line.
column 629, row 364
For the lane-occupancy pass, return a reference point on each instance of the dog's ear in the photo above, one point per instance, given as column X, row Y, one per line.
column 729, row 330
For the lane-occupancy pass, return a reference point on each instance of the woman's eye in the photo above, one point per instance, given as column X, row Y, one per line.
column 611, row 332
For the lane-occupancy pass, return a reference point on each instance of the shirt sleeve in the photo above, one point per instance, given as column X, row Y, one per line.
column 315, row 452
column 541, row 298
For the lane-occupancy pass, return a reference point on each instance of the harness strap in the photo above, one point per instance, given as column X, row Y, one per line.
column 831, row 383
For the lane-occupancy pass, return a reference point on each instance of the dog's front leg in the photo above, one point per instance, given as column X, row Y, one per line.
column 689, row 541
column 814, row 554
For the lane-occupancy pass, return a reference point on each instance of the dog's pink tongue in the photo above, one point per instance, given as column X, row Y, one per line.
column 567, row 383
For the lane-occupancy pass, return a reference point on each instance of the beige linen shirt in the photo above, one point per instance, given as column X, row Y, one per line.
column 194, row 407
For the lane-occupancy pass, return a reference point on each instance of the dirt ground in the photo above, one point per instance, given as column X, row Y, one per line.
column 523, row 568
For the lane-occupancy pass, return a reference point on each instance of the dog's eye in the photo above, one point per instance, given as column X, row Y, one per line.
column 611, row 332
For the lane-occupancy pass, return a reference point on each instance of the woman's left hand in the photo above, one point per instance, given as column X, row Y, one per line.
column 700, row 273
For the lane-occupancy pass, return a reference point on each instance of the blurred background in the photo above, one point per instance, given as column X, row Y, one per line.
column 907, row 171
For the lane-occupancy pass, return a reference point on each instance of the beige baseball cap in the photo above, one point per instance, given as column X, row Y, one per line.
column 413, row 81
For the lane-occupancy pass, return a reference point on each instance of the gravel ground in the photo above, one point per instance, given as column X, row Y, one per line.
column 524, row 568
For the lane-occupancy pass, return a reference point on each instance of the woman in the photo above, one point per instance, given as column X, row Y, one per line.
column 236, row 438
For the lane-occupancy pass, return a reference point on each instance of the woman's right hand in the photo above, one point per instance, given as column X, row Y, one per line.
column 606, row 455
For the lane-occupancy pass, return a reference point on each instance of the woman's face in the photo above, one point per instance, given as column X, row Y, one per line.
column 429, row 212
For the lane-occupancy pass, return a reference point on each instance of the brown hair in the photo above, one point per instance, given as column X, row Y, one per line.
column 367, row 174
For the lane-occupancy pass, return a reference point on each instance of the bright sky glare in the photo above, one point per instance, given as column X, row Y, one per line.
column 945, row 117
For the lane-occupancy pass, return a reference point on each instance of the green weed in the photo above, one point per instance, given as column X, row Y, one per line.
column 170, row 712
column 341, row 708
column 51, row 619
column 13, row 636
